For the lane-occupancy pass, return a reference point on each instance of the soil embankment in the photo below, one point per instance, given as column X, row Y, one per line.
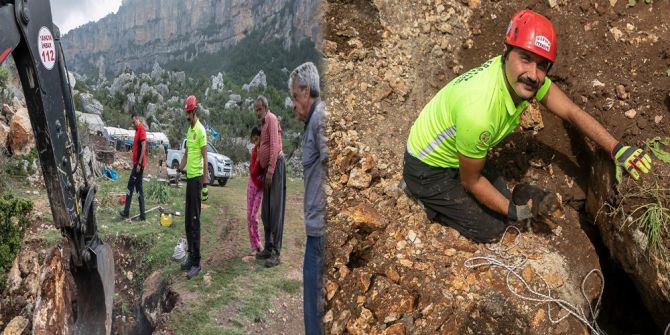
column 390, row 270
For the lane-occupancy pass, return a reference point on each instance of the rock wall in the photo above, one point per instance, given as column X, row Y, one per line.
column 16, row 132
column 144, row 31
column 626, row 241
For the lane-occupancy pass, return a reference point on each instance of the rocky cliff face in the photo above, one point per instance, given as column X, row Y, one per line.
column 146, row 31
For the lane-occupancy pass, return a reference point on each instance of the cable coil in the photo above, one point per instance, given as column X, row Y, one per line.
column 518, row 261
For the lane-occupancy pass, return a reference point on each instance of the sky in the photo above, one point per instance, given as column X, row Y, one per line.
column 69, row 14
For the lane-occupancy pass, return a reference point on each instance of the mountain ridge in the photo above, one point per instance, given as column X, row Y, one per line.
column 144, row 32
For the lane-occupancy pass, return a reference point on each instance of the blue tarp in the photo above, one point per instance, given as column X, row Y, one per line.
column 215, row 134
column 110, row 173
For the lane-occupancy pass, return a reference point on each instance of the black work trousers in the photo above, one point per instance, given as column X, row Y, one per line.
column 447, row 202
column 272, row 208
column 192, row 218
column 135, row 182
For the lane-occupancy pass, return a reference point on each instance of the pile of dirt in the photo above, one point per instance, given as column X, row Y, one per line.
column 391, row 271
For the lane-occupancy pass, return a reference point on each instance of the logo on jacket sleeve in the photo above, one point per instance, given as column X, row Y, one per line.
column 485, row 137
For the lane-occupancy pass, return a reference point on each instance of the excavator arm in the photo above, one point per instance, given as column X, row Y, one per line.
column 29, row 36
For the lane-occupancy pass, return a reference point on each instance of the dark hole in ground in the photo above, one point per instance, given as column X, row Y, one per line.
column 170, row 301
column 359, row 258
column 622, row 311
column 142, row 324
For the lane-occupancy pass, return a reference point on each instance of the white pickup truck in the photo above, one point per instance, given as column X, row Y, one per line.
column 220, row 166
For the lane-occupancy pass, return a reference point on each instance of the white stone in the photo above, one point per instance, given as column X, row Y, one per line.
column 630, row 113
column 90, row 105
column 616, row 33
column 217, row 82
column 597, row 83
column 21, row 138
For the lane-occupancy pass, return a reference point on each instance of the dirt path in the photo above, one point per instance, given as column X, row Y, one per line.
column 236, row 293
column 224, row 238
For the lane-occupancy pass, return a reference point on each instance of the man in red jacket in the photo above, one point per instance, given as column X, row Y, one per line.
column 139, row 162
column 271, row 159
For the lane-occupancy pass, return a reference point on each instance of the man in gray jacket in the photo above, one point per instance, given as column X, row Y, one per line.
column 307, row 106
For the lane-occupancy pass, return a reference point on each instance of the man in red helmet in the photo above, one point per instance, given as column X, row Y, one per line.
column 445, row 166
column 195, row 163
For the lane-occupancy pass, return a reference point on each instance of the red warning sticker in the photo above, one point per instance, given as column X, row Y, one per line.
column 47, row 48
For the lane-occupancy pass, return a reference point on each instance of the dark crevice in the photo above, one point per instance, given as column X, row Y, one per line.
column 142, row 324
column 359, row 258
column 622, row 311
column 167, row 303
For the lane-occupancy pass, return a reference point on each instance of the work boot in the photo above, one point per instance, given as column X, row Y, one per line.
column 193, row 271
column 123, row 214
column 272, row 261
column 140, row 198
column 265, row 254
column 187, row 265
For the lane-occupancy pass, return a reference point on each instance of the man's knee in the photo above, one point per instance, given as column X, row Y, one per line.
column 479, row 229
column 489, row 231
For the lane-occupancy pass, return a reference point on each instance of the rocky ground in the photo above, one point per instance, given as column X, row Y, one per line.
column 16, row 133
column 389, row 270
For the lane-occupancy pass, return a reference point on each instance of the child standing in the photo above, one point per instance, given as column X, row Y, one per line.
column 254, row 191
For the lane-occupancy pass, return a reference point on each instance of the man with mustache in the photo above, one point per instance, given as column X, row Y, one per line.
column 445, row 167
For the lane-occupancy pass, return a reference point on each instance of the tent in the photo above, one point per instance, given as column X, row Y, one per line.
column 126, row 137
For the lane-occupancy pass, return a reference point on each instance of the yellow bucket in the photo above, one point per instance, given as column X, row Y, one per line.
column 166, row 219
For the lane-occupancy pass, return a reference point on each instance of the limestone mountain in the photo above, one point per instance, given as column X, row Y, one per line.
column 143, row 32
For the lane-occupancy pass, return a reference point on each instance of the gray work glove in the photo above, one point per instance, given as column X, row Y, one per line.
column 518, row 212
column 530, row 201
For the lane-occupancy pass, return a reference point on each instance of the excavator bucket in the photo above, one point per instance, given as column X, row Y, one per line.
column 94, row 293
column 75, row 300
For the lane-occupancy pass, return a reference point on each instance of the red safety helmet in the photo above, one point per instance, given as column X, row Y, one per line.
column 532, row 32
column 190, row 103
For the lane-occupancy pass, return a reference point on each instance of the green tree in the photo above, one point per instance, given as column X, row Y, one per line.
column 14, row 219
column 4, row 77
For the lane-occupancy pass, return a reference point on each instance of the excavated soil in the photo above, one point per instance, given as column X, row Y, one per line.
column 389, row 270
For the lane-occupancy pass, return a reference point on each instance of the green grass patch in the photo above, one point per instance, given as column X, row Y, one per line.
column 149, row 243
column 657, row 145
column 642, row 208
column 632, row 3
column 22, row 166
column 652, row 219
column 159, row 192
column 241, row 293
column 14, row 218
column 290, row 286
